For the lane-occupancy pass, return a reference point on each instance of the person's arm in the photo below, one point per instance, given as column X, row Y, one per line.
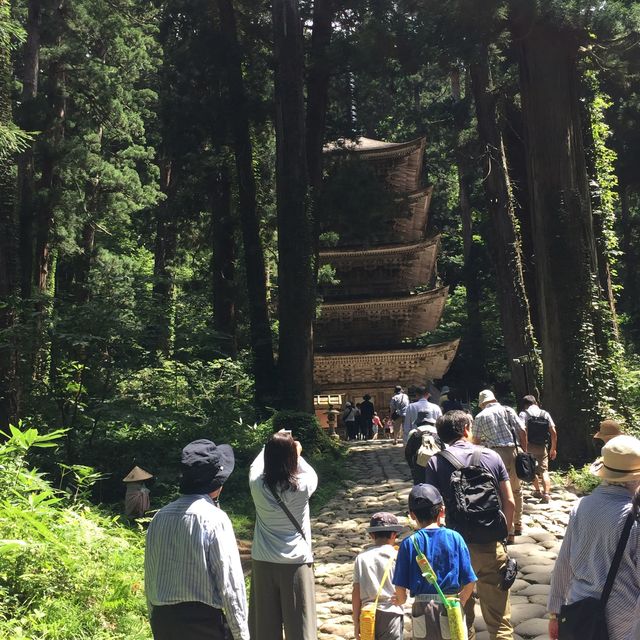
column 307, row 474
column 508, row 503
column 257, row 467
column 553, row 452
column 408, row 420
column 465, row 592
column 560, row 579
column 356, row 605
column 518, row 426
column 226, row 570
column 476, row 429
column 413, row 444
column 401, row 596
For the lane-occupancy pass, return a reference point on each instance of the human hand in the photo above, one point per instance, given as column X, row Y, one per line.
column 552, row 454
column 553, row 629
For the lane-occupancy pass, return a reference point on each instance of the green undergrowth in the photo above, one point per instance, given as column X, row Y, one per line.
column 67, row 571
column 580, row 480
column 70, row 570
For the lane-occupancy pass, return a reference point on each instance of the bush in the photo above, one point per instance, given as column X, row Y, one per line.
column 582, row 480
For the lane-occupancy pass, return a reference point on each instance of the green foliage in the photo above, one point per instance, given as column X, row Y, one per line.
column 68, row 572
column 580, row 479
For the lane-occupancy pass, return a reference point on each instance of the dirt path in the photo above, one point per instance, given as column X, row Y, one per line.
column 382, row 482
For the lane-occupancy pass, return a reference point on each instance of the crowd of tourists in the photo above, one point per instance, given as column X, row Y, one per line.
column 466, row 509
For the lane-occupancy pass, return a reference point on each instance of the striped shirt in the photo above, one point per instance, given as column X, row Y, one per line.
column 493, row 425
column 585, row 557
column 432, row 411
column 192, row 556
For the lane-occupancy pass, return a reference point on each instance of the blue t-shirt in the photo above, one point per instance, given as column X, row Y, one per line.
column 447, row 553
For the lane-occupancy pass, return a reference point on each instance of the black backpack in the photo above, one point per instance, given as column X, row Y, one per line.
column 537, row 429
column 475, row 510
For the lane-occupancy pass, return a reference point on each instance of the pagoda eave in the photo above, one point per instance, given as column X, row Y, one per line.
column 396, row 269
column 379, row 322
column 342, row 372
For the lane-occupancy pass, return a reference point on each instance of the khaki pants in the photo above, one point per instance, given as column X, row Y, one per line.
column 487, row 561
column 508, row 455
column 539, row 452
column 397, row 428
column 282, row 595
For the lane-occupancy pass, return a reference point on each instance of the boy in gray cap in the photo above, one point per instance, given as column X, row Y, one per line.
column 369, row 574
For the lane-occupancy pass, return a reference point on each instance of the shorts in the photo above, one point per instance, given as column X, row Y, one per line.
column 429, row 622
column 540, row 453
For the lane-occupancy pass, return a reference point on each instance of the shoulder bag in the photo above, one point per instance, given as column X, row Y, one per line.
column 367, row 619
column 526, row 463
column 586, row 619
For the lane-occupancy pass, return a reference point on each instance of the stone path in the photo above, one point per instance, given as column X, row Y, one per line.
column 382, row 482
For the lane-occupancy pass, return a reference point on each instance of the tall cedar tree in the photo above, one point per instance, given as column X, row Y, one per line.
column 575, row 374
column 504, row 239
column 260, row 329
column 296, row 291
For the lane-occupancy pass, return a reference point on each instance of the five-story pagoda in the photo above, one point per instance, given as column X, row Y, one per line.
column 383, row 297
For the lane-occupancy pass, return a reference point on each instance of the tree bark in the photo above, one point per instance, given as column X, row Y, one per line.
column 260, row 328
column 26, row 187
column 318, row 88
column 504, row 241
column 222, row 263
column 566, row 263
column 8, row 258
column 296, row 291
column 164, row 257
column 475, row 370
column 602, row 250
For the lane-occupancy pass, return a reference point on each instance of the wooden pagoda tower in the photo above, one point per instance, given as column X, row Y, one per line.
column 385, row 298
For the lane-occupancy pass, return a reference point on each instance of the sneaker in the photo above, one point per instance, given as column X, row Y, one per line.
column 545, row 498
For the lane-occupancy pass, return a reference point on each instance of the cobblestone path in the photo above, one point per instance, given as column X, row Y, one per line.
column 381, row 481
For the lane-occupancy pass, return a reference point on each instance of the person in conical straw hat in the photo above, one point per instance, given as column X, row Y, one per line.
column 137, row 498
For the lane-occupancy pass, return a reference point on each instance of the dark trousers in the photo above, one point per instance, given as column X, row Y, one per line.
column 188, row 621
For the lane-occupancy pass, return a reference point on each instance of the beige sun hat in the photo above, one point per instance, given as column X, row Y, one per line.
column 608, row 429
column 620, row 460
column 137, row 475
column 486, row 396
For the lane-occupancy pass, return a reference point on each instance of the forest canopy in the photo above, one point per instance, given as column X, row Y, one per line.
column 164, row 195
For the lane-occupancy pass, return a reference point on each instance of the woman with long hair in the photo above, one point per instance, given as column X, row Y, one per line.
column 282, row 582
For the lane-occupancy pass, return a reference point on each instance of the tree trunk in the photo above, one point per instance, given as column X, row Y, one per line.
column 260, row 328
column 504, row 241
column 164, row 257
column 296, row 291
column 49, row 182
column 222, row 263
column 513, row 136
column 318, row 88
column 26, row 187
column 575, row 379
column 599, row 223
column 8, row 396
column 473, row 344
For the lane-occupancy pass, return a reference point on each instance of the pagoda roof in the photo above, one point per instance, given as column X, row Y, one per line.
column 379, row 322
column 383, row 252
column 388, row 270
column 399, row 162
column 343, row 372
